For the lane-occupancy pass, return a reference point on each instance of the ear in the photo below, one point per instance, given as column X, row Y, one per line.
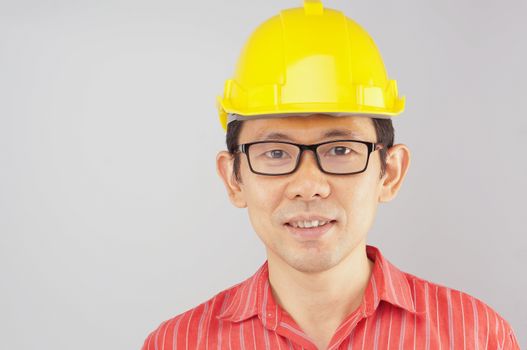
column 397, row 164
column 224, row 168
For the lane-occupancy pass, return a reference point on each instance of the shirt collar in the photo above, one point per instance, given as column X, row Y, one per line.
column 254, row 297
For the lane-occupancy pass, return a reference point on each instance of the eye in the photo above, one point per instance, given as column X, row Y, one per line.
column 276, row 154
column 339, row 151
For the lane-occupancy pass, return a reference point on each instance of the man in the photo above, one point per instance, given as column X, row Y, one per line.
column 311, row 156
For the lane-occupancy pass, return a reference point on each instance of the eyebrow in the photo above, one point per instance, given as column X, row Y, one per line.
column 329, row 133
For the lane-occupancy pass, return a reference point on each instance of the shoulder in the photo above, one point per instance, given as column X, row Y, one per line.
column 458, row 313
column 187, row 329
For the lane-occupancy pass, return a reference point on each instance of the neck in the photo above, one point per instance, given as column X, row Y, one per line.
column 328, row 296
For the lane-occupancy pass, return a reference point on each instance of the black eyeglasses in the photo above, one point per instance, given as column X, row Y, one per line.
column 338, row 157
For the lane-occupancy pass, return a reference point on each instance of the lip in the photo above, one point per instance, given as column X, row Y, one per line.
column 310, row 233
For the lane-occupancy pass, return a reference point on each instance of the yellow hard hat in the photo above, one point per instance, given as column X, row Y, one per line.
column 309, row 60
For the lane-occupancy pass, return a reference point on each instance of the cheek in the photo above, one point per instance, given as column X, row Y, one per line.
column 262, row 200
column 262, row 196
column 359, row 202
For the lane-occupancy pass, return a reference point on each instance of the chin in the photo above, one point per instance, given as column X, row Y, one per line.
column 311, row 261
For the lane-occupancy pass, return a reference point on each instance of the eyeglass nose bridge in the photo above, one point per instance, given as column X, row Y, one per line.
column 312, row 148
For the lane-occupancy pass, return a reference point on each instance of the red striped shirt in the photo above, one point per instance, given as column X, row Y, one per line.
column 398, row 311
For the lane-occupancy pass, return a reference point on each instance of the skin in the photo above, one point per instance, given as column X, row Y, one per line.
column 322, row 281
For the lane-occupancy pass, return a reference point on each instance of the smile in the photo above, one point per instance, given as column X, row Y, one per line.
column 313, row 223
column 307, row 230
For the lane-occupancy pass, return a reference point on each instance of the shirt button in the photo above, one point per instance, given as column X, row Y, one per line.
column 269, row 314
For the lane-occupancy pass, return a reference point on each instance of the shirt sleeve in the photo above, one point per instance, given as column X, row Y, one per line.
column 511, row 343
column 148, row 343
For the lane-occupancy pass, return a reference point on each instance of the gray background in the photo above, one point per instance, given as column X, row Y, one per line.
column 112, row 217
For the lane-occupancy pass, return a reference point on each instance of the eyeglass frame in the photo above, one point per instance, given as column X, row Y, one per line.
column 372, row 147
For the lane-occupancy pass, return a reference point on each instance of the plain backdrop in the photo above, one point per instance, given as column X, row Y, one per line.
column 112, row 216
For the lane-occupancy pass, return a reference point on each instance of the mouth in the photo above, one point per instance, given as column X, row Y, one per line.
column 309, row 229
column 309, row 223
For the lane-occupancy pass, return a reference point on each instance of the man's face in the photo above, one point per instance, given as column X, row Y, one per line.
column 273, row 202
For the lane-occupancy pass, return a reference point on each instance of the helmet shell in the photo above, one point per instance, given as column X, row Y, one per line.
column 309, row 60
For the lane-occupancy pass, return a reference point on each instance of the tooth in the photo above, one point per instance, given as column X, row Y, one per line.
column 308, row 224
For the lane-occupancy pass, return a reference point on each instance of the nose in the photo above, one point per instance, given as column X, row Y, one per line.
column 308, row 182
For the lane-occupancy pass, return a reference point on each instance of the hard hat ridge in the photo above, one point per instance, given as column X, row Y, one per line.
column 313, row 7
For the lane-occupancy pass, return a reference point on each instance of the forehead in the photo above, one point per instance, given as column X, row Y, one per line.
column 308, row 129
